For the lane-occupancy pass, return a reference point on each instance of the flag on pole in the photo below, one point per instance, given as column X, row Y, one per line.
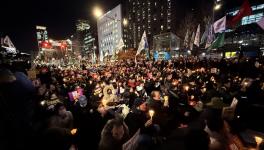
column 261, row 23
column 219, row 41
column 245, row 10
column 197, row 37
column 143, row 43
column 119, row 46
column 205, row 34
column 210, row 37
column 94, row 58
column 220, row 25
column 192, row 40
column 106, row 53
column 101, row 56
column 186, row 39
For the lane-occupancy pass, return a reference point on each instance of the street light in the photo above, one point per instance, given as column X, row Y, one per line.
column 97, row 12
column 217, row 6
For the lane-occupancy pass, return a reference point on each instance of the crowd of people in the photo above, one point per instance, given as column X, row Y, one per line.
column 184, row 104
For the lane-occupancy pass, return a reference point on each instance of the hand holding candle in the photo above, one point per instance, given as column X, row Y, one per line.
column 166, row 101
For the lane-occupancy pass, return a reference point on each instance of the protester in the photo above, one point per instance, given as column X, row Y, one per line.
column 62, row 118
column 181, row 94
column 114, row 135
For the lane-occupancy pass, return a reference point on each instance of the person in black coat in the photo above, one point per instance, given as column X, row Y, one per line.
column 137, row 118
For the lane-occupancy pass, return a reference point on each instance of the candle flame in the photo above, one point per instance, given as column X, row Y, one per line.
column 151, row 113
column 258, row 139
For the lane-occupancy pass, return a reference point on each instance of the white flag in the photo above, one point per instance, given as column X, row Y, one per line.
column 106, row 53
column 261, row 23
column 186, row 39
column 220, row 25
column 101, row 56
column 191, row 41
column 94, row 57
column 197, row 36
column 210, row 37
column 143, row 43
column 205, row 34
column 119, row 46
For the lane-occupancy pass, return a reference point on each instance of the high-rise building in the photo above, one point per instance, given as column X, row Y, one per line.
column 110, row 31
column 153, row 16
column 84, row 39
column 42, row 35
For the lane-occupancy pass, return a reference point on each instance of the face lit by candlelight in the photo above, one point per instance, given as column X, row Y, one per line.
column 118, row 132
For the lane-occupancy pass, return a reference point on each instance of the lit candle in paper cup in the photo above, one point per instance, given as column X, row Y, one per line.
column 151, row 113
column 166, row 101
column 246, row 83
column 166, row 98
column 203, row 89
column 73, row 131
column 186, row 88
column 258, row 140
column 42, row 103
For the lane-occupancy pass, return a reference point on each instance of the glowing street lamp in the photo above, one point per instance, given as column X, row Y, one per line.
column 97, row 12
column 217, row 6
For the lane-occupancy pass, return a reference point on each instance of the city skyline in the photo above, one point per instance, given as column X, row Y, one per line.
column 21, row 17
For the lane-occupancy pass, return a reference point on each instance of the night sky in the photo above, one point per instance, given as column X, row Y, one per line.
column 19, row 17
